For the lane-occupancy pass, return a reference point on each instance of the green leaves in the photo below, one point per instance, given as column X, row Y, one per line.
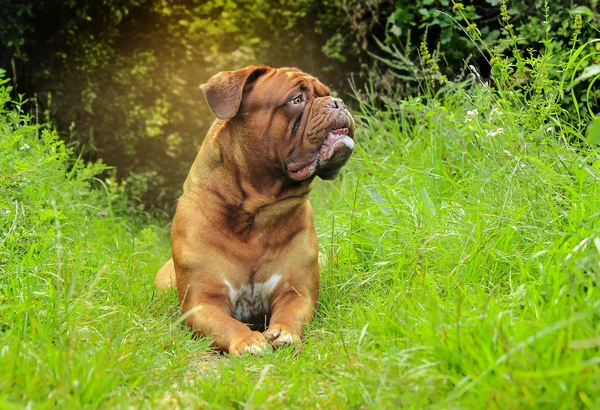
column 593, row 132
column 588, row 72
column 125, row 74
column 583, row 10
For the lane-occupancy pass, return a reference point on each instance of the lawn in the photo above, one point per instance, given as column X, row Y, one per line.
column 460, row 269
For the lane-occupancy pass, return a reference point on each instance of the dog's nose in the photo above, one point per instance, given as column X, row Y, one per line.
column 335, row 103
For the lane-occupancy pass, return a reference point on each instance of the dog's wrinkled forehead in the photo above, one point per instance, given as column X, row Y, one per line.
column 277, row 86
column 256, row 87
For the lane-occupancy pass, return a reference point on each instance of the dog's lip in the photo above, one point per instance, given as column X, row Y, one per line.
column 340, row 131
column 297, row 166
column 303, row 170
column 335, row 138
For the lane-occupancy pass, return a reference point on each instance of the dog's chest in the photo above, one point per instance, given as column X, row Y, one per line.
column 251, row 301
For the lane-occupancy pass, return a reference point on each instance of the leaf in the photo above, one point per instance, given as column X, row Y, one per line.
column 397, row 31
column 428, row 206
column 582, row 10
column 593, row 132
column 445, row 36
column 590, row 71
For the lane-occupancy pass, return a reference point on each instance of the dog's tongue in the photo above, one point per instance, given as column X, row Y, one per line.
column 335, row 139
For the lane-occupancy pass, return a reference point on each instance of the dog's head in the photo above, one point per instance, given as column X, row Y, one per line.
column 285, row 117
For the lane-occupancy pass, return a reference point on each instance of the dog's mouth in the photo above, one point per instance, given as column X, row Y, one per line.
column 333, row 153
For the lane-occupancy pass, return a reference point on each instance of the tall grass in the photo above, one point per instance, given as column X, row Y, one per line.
column 462, row 269
column 466, row 256
column 80, row 325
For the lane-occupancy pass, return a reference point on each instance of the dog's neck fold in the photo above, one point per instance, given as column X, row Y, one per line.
column 235, row 177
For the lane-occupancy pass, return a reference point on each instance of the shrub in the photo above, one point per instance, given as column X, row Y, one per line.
column 120, row 78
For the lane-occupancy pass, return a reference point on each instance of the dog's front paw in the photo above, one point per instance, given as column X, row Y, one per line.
column 253, row 343
column 280, row 335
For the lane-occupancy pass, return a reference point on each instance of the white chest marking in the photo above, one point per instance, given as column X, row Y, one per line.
column 251, row 301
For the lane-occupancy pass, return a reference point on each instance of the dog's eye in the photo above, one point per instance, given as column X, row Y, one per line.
column 296, row 100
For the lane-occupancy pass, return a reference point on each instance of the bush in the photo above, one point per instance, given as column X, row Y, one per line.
column 120, row 78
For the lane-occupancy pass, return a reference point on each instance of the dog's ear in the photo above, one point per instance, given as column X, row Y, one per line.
column 224, row 91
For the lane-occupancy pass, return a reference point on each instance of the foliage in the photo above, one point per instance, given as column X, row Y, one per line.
column 120, row 78
column 462, row 35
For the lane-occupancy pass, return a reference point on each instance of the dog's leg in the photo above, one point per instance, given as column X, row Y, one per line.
column 291, row 310
column 203, row 295
column 294, row 302
column 211, row 317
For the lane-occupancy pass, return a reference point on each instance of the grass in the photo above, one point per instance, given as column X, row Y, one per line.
column 462, row 270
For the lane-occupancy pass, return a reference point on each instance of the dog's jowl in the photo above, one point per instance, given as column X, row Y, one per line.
column 244, row 243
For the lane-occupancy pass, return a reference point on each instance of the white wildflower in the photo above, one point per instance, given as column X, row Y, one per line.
column 471, row 115
column 495, row 113
column 499, row 131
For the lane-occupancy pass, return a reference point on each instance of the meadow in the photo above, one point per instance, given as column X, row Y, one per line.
column 461, row 268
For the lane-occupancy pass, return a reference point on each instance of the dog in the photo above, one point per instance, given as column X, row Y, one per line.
column 244, row 244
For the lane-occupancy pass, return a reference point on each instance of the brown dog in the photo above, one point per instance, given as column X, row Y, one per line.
column 244, row 243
